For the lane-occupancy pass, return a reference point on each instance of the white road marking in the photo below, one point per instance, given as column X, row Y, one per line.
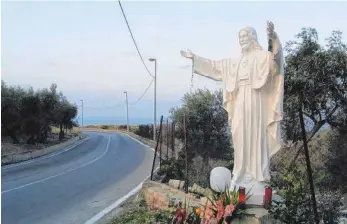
column 50, row 155
column 62, row 173
column 141, row 143
column 108, row 209
column 104, row 212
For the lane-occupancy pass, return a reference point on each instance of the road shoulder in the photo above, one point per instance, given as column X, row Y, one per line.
column 12, row 159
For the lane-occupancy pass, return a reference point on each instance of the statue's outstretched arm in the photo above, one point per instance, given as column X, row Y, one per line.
column 205, row 67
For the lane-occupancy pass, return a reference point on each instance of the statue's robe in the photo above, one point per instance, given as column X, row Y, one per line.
column 253, row 98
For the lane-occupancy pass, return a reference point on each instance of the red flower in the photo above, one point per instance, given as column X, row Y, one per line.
column 220, row 210
column 208, row 214
column 229, row 210
column 180, row 214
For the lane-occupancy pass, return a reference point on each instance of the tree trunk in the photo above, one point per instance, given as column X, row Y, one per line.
column 205, row 167
column 43, row 135
column 13, row 137
column 61, row 133
column 31, row 140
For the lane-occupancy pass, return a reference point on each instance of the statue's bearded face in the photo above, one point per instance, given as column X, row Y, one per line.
column 245, row 40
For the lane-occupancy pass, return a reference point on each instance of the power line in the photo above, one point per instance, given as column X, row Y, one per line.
column 132, row 36
column 140, row 98
column 121, row 104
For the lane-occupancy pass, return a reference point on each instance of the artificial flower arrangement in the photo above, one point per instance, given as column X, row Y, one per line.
column 221, row 208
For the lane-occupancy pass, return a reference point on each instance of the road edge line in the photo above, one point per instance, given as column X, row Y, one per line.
column 117, row 203
column 138, row 141
column 61, row 173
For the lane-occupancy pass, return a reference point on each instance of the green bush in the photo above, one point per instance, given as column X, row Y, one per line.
column 105, row 127
column 296, row 206
column 123, row 127
column 173, row 169
column 145, row 131
column 206, row 127
column 143, row 216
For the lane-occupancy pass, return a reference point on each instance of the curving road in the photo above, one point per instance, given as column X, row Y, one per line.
column 75, row 185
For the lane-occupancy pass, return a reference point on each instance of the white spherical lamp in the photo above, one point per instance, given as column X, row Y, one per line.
column 220, row 179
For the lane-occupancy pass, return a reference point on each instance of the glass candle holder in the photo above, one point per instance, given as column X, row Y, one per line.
column 267, row 197
column 242, row 197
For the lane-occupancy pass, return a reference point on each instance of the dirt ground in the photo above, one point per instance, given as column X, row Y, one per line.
column 8, row 148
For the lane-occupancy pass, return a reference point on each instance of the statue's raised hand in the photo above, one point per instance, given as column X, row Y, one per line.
column 187, row 54
column 271, row 30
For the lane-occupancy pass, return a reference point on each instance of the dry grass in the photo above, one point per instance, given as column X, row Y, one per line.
column 8, row 148
column 75, row 130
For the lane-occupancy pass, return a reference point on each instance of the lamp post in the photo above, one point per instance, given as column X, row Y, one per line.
column 82, row 113
column 155, row 97
column 127, row 109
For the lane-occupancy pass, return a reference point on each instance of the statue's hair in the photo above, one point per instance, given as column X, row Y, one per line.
column 253, row 34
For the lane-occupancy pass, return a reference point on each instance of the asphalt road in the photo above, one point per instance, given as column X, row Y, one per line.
column 75, row 185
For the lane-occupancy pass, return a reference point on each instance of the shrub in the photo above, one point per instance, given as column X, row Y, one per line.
column 105, row 127
column 123, row 127
column 296, row 206
column 173, row 169
column 142, row 215
column 145, row 131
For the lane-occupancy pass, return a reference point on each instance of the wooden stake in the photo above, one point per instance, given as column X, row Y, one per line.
column 156, row 148
column 173, row 140
column 308, row 163
column 167, row 139
column 160, row 153
column 186, row 154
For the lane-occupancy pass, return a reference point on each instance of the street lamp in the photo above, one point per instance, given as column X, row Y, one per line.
column 155, row 96
column 126, row 101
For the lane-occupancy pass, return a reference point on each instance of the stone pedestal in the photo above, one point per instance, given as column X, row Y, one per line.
column 261, row 217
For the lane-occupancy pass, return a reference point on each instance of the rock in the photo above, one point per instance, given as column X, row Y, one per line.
column 162, row 197
column 197, row 189
column 178, row 184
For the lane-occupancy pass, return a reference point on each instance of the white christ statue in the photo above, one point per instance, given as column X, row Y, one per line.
column 253, row 98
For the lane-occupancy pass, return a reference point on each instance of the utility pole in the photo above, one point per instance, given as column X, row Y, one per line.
column 82, row 113
column 155, row 97
column 127, row 109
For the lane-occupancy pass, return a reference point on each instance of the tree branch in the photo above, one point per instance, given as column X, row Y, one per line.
column 309, row 138
column 310, row 116
column 332, row 111
column 312, row 133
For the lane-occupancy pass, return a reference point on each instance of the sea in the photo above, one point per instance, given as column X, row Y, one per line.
column 115, row 120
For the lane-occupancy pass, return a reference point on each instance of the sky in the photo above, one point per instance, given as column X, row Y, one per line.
column 86, row 49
